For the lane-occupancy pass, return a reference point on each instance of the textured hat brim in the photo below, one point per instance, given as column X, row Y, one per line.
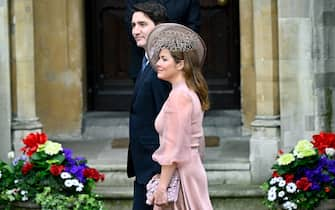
column 158, row 32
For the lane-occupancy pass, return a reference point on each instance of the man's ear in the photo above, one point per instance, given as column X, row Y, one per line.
column 180, row 65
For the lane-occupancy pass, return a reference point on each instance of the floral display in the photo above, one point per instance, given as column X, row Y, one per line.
column 46, row 168
column 305, row 176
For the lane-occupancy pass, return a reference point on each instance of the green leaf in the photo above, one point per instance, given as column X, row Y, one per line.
column 39, row 156
column 265, row 186
column 56, row 159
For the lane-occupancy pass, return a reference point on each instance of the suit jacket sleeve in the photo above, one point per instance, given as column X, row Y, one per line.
column 192, row 17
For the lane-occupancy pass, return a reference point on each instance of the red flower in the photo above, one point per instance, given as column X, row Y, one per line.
column 327, row 189
column 289, row 178
column 303, row 184
column 56, row 169
column 280, row 152
column 323, row 140
column 32, row 141
column 275, row 174
column 102, row 177
column 26, row 168
column 94, row 174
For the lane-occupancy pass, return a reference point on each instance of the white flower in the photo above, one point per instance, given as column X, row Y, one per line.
column 273, row 189
column 282, row 183
column 0, row 174
column 16, row 181
column 330, row 151
column 75, row 182
column 24, row 198
column 291, row 187
column 273, row 181
column 304, row 148
column 68, row 183
column 80, row 187
column 11, row 155
column 279, row 178
column 295, row 206
column 289, row 205
column 281, row 194
column 272, row 195
column 52, row 148
column 65, row 175
column 23, row 192
column 285, row 159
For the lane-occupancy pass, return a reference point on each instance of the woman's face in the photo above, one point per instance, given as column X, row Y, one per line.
column 167, row 68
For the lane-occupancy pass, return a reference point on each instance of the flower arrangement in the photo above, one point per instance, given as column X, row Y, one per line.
column 48, row 175
column 303, row 177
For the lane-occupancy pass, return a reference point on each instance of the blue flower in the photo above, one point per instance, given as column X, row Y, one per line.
column 21, row 157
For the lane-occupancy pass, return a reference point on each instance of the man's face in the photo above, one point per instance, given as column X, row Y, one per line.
column 141, row 25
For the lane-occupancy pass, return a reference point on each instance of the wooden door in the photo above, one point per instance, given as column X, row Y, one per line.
column 108, row 54
column 220, row 31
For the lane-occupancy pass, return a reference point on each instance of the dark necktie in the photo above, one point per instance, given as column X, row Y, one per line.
column 144, row 63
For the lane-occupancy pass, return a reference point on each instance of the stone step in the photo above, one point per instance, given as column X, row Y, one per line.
column 217, row 173
column 210, row 141
column 110, row 125
column 227, row 163
column 223, row 197
column 222, row 190
column 105, row 125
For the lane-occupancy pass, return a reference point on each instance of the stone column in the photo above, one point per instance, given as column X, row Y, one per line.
column 248, row 83
column 265, row 128
column 22, row 60
column 5, row 105
column 60, row 66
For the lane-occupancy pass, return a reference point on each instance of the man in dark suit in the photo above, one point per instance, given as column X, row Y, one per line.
column 185, row 12
column 149, row 95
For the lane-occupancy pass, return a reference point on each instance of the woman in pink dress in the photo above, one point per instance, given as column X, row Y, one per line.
column 178, row 54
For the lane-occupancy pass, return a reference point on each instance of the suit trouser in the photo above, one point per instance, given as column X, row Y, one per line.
column 140, row 197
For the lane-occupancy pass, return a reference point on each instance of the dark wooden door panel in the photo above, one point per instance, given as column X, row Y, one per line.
column 110, row 87
column 114, row 44
column 220, row 30
column 108, row 54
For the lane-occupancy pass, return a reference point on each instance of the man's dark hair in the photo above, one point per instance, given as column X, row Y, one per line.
column 154, row 10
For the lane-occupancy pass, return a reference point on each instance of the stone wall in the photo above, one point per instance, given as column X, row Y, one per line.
column 5, row 109
column 306, row 62
column 324, row 63
column 297, row 94
column 60, row 66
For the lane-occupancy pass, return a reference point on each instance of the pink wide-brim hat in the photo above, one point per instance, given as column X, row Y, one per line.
column 174, row 37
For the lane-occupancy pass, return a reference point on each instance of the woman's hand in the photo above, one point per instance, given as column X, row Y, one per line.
column 160, row 197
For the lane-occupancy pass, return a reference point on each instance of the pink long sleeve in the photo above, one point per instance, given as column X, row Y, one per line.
column 175, row 129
